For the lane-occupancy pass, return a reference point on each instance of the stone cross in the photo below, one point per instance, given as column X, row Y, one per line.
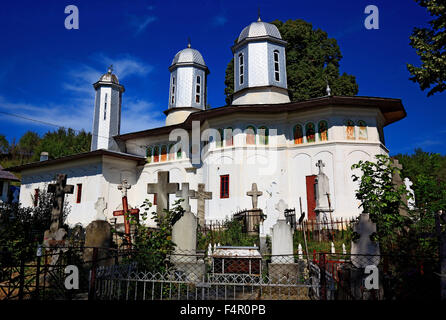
column 60, row 188
column 201, row 196
column 100, row 206
column 126, row 212
column 254, row 194
column 185, row 193
column 124, row 187
column 281, row 206
column 162, row 189
column 320, row 165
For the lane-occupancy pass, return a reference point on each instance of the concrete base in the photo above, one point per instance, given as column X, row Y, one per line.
column 195, row 271
column 284, row 272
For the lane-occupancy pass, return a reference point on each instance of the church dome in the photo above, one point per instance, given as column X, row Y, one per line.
column 259, row 29
column 187, row 56
column 109, row 76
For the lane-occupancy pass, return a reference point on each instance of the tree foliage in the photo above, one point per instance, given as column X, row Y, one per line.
column 152, row 247
column 22, row 228
column 59, row 143
column 312, row 59
column 381, row 199
column 430, row 45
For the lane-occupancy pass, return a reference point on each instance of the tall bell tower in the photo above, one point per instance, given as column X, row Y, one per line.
column 107, row 111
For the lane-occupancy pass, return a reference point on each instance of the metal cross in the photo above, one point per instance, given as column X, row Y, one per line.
column 201, row 196
column 123, row 187
column 185, row 194
column 60, row 188
column 162, row 189
column 254, row 194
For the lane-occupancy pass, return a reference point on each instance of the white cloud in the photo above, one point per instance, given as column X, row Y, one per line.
column 140, row 23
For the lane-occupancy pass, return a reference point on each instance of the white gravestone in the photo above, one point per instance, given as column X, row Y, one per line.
column 365, row 251
column 282, row 238
column 100, row 206
column 184, row 235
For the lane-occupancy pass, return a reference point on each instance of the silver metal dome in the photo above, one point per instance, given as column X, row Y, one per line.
column 109, row 76
column 259, row 29
column 188, row 55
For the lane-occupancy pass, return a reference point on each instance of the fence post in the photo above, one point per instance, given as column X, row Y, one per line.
column 39, row 257
column 92, row 288
column 22, row 277
column 323, row 281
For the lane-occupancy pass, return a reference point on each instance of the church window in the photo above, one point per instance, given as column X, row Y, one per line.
column 310, row 133
column 149, row 154
column 229, row 139
column 250, row 135
column 163, row 153
column 276, row 65
column 323, row 130
column 198, row 90
column 241, row 65
column 172, row 99
column 224, row 186
column 79, row 193
column 105, row 107
column 298, row 134
column 220, row 138
column 263, row 135
column 350, row 131
column 362, row 130
column 36, row 197
column 171, row 152
column 156, row 154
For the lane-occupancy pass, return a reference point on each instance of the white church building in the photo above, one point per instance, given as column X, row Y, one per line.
column 261, row 137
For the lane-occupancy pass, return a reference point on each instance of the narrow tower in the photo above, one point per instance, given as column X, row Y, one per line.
column 187, row 91
column 260, row 66
column 107, row 111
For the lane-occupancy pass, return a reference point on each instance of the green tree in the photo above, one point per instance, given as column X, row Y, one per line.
column 430, row 45
column 63, row 142
column 28, row 142
column 4, row 145
column 381, row 199
column 312, row 60
column 152, row 247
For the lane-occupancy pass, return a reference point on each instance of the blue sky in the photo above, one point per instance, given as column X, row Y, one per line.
column 47, row 71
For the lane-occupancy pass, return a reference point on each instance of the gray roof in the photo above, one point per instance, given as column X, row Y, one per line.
column 188, row 55
column 5, row 175
column 259, row 29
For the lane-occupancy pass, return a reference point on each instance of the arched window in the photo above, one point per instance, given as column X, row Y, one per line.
column 298, row 134
column 250, row 135
column 163, row 153
column 149, row 154
column 323, row 130
column 263, row 135
column 229, row 139
column 198, row 90
column 220, row 139
column 310, row 132
column 362, row 130
column 156, row 154
column 171, row 152
column 241, row 68
column 350, row 130
column 172, row 94
column 276, row 65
